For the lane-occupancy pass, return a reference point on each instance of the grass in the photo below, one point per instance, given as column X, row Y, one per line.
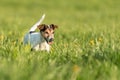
column 86, row 47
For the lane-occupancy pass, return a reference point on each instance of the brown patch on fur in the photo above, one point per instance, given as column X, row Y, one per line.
column 43, row 27
column 47, row 33
column 53, row 26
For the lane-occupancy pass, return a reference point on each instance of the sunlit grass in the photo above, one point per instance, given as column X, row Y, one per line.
column 86, row 46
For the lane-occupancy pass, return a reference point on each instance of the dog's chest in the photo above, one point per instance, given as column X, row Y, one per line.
column 42, row 46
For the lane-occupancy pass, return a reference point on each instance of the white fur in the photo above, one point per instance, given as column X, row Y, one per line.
column 34, row 27
column 35, row 39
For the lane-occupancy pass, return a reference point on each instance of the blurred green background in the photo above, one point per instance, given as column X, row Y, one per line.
column 86, row 47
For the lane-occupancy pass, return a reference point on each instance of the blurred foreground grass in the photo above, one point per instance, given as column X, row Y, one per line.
column 86, row 47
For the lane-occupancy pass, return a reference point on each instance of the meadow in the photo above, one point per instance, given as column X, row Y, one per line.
column 86, row 46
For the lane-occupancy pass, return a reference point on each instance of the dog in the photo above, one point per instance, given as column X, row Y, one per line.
column 43, row 39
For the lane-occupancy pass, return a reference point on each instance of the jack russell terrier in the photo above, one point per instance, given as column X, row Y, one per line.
column 43, row 39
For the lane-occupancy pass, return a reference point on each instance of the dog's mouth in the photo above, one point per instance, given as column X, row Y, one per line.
column 49, row 41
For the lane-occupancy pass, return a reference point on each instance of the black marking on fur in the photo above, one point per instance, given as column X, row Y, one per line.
column 32, row 32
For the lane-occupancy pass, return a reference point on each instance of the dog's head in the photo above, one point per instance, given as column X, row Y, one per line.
column 47, row 32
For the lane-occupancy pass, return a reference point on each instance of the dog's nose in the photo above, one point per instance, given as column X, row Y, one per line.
column 50, row 40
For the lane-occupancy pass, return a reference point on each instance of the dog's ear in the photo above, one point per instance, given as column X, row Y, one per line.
column 41, row 27
column 53, row 26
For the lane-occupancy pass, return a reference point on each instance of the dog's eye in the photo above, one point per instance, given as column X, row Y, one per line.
column 46, row 32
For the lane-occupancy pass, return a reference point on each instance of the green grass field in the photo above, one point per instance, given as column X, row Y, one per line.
column 86, row 47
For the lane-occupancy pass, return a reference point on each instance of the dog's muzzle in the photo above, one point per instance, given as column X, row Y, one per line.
column 49, row 40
